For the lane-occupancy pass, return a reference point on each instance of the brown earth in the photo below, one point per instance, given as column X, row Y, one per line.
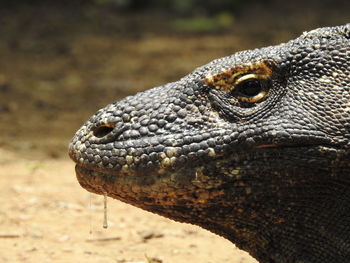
column 59, row 65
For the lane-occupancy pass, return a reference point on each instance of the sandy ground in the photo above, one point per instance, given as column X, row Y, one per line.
column 45, row 216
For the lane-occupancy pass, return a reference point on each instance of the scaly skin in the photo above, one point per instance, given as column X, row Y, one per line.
column 253, row 147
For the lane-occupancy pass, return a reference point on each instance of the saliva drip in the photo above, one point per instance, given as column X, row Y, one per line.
column 105, row 223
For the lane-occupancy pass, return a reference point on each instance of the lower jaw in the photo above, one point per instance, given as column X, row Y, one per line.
column 118, row 183
column 89, row 180
column 101, row 181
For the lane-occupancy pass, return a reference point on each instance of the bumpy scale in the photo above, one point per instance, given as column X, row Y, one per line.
column 253, row 146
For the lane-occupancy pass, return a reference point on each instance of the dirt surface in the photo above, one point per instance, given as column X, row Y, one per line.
column 58, row 66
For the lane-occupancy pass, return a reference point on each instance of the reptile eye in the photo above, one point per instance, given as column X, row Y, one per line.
column 250, row 88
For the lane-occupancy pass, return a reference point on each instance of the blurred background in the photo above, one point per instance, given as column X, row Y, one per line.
column 63, row 60
column 60, row 61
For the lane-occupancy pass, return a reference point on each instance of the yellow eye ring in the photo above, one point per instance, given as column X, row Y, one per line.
column 250, row 88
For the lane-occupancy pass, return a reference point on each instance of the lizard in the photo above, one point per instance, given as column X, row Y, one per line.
column 253, row 147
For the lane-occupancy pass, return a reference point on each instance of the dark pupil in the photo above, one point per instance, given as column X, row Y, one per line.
column 250, row 88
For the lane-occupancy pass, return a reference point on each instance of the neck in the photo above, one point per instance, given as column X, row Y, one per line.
column 301, row 229
column 286, row 214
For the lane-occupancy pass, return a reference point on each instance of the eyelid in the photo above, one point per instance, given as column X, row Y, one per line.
column 256, row 98
column 249, row 76
column 244, row 78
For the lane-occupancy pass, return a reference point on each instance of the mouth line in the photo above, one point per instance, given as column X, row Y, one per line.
column 103, row 180
column 99, row 182
column 244, row 155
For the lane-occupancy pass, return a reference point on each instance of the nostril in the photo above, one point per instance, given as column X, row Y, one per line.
column 102, row 131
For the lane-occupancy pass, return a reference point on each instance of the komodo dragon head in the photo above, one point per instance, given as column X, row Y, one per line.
column 253, row 147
